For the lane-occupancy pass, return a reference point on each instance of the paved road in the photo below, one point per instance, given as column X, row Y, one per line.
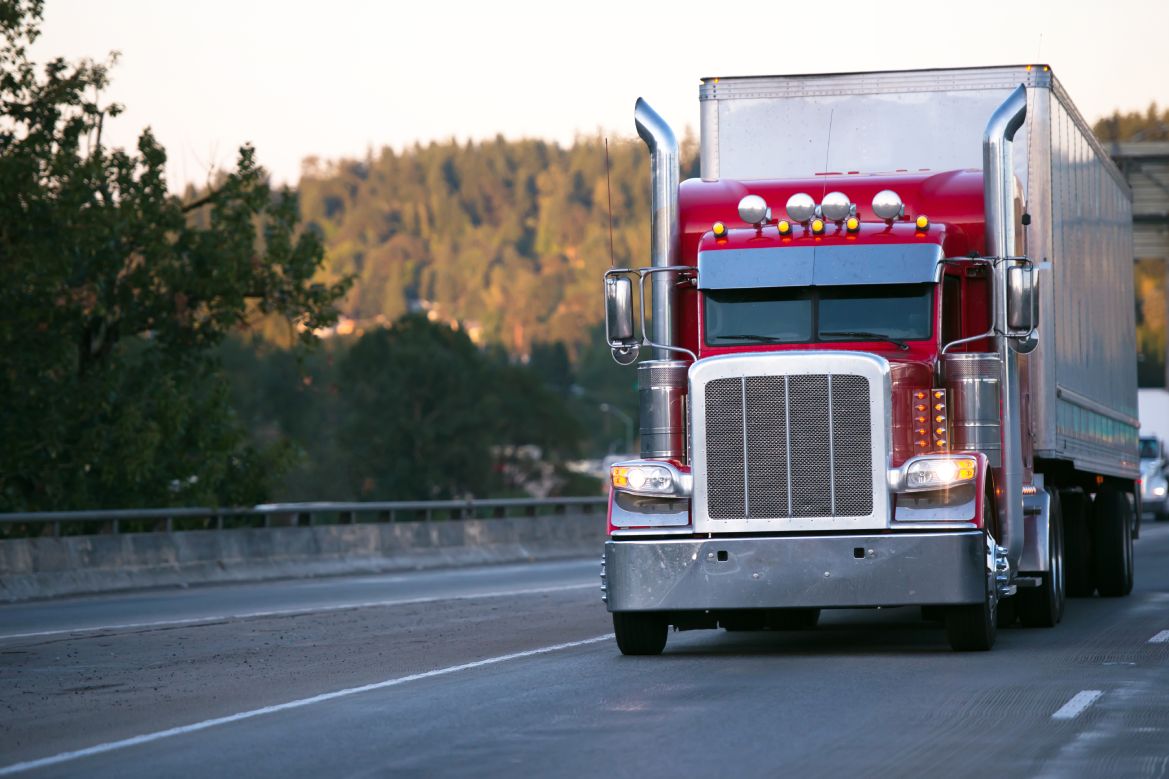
column 510, row 670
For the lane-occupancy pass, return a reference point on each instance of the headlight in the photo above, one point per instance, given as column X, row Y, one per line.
column 649, row 478
column 935, row 473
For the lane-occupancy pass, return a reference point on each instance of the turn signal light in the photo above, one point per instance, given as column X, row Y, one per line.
column 931, row 425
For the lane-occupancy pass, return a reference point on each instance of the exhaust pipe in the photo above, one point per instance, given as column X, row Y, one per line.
column 663, row 219
column 998, row 183
column 662, row 381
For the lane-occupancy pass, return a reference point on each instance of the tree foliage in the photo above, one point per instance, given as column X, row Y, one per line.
column 412, row 411
column 114, row 291
column 1151, row 125
column 508, row 237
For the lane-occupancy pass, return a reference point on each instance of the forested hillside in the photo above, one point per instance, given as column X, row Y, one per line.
column 508, row 238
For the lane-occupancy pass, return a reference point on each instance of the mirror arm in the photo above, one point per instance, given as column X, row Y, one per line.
column 645, row 339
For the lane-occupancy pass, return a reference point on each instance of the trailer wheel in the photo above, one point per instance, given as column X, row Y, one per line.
column 1042, row 607
column 1079, row 576
column 639, row 633
column 974, row 627
column 1112, row 543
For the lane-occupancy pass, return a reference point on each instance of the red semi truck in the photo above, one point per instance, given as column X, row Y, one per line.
column 891, row 360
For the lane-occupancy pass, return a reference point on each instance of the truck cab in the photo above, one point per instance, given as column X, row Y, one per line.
column 857, row 392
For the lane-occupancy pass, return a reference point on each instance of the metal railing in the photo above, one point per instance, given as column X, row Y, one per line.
column 57, row 523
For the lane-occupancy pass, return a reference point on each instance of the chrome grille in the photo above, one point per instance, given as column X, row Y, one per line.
column 788, row 446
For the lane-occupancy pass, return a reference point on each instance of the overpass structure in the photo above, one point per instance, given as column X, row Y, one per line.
column 1145, row 165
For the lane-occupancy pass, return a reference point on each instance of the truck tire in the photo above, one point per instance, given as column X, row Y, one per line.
column 639, row 633
column 1112, row 543
column 1079, row 576
column 1042, row 607
column 974, row 627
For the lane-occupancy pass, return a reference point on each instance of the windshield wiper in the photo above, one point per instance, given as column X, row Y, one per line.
column 867, row 336
column 767, row 339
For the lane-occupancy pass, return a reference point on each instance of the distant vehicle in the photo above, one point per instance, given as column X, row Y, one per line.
column 892, row 344
column 1154, row 481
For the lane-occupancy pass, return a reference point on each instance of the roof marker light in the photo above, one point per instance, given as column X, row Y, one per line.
column 785, row 227
column 801, row 207
column 887, row 205
column 836, row 207
column 853, row 224
column 754, row 211
column 817, row 226
column 719, row 229
column 923, row 222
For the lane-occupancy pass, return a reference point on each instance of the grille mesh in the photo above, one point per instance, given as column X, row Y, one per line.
column 788, row 447
column 726, row 491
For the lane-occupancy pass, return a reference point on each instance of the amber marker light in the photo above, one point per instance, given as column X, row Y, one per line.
column 785, row 227
column 817, row 226
column 922, row 222
column 719, row 229
column 852, row 224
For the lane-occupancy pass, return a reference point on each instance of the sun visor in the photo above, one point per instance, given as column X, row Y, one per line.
column 819, row 266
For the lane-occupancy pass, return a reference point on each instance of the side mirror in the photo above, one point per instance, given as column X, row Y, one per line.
column 619, row 319
column 1022, row 299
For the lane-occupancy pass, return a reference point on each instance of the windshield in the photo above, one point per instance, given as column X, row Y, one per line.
column 894, row 312
column 1149, row 448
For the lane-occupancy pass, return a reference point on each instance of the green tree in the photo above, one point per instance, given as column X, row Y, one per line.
column 114, row 293
column 415, row 425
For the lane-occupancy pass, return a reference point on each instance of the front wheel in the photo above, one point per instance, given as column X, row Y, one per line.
column 639, row 633
column 1042, row 607
column 973, row 627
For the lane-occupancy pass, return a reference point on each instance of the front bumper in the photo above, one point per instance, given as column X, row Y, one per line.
column 796, row 571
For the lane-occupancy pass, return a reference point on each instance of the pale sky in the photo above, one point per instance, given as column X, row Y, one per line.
column 333, row 78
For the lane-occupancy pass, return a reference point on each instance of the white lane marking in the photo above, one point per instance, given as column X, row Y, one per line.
column 1080, row 701
column 1160, row 638
column 297, row 611
column 110, row 746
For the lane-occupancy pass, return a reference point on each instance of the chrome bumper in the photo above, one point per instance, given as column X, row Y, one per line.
column 796, row 571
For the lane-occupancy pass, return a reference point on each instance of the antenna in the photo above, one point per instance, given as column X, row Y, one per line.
column 609, row 193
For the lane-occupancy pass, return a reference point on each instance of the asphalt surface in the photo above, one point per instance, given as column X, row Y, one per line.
column 511, row 670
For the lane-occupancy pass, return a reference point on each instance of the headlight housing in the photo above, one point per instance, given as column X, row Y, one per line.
column 649, row 477
column 936, row 472
column 1156, row 486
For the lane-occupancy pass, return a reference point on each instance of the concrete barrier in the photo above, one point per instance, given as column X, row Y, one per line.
column 71, row 565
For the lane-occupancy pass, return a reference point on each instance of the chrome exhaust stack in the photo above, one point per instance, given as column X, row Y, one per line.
column 998, row 181
column 662, row 380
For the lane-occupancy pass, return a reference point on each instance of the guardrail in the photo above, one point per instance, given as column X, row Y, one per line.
column 57, row 523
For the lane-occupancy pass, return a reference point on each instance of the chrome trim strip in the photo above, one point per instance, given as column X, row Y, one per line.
column 746, row 454
column 787, row 427
column 831, row 453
